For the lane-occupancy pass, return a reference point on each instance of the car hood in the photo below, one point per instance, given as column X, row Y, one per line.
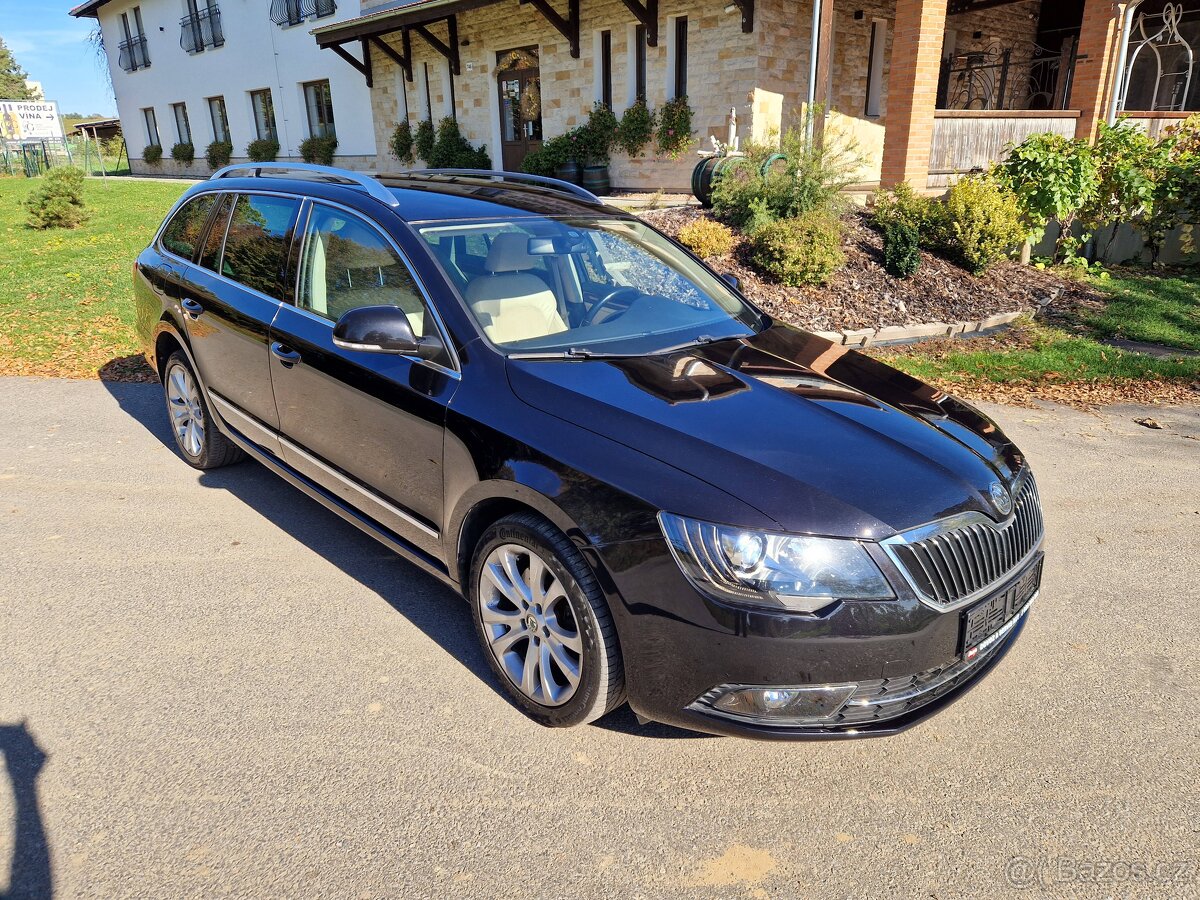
column 816, row 436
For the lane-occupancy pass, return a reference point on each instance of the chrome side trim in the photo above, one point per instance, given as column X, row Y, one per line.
column 245, row 423
column 360, row 490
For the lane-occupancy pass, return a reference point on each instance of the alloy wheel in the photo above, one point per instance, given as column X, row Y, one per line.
column 187, row 412
column 529, row 625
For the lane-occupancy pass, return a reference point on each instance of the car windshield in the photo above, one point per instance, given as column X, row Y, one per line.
column 584, row 287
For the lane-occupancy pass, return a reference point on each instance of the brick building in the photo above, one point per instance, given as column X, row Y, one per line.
column 927, row 88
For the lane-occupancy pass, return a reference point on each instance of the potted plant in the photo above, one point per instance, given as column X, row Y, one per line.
column 598, row 139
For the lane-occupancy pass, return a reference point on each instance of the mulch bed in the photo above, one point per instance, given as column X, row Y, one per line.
column 863, row 295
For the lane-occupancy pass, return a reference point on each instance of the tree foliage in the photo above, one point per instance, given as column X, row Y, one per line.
column 12, row 77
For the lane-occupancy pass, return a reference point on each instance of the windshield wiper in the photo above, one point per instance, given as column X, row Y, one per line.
column 698, row 342
column 571, row 353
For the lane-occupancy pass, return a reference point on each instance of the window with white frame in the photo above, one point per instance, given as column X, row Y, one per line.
column 677, row 57
column 183, row 128
column 263, row 107
column 219, row 118
column 636, row 66
column 875, row 64
column 602, row 49
column 318, row 103
column 151, row 126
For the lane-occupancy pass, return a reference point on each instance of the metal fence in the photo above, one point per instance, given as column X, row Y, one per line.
column 33, row 158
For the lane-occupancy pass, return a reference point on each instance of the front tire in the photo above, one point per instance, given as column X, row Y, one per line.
column 197, row 438
column 544, row 625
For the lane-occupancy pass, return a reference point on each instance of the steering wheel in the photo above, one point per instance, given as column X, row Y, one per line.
column 607, row 300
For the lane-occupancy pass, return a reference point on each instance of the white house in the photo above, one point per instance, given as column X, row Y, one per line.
column 204, row 70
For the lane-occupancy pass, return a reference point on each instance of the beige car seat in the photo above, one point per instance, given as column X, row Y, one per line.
column 372, row 295
column 511, row 302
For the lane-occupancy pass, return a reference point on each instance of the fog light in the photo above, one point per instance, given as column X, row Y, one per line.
column 807, row 705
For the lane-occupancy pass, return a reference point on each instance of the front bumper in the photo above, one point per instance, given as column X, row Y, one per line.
column 679, row 647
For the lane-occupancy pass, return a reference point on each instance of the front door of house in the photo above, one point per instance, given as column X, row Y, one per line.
column 520, row 89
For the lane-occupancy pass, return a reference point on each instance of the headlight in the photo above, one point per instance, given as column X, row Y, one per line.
column 793, row 572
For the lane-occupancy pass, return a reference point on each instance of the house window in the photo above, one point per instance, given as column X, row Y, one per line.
column 637, row 62
column 201, row 27
column 132, row 53
column 318, row 102
column 875, row 58
column 183, row 128
column 264, row 114
column 220, row 120
column 603, row 48
column 151, row 126
column 678, row 57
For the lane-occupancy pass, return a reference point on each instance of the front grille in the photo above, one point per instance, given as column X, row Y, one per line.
column 952, row 564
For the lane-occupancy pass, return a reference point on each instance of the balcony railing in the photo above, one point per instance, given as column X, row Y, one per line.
column 133, row 54
column 293, row 12
column 999, row 78
column 201, row 31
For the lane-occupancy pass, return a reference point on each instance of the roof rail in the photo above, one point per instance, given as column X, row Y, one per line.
column 310, row 172
column 555, row 184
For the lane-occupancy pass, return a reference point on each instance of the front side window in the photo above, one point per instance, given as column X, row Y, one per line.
column 182, row 234
column 264, row 114
column 210, row 254
column 318, row 102
column 347, row 264
column 257, row 242
column 585, row 286
column 183, row 128
column 220, row 120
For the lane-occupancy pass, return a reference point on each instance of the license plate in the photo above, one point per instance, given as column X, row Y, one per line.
column 986, row 619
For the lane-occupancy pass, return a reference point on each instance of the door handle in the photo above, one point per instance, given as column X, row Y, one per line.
column 285, row 354
column 191, row 308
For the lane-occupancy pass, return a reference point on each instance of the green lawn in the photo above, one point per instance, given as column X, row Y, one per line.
column 1151, row 308
column 66, row 302
column 1042, row 359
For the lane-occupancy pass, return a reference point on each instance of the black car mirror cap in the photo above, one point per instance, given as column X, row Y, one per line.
column 383, row 329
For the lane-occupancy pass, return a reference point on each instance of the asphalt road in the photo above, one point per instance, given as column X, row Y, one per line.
column 237, row 694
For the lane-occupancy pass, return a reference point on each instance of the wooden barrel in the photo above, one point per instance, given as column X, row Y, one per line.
column 595, row 179
column 706, row 173
column 568, row 171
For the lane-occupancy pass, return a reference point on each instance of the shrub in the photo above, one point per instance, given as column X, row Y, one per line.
column 262, row 150
column 318, row 150
column 636, row 129
column 554, row 152
column 598, row 137
column 424, row 139
column 1124, row 180
column 58, row 201
column 803, row 250
column 1174, row 166
column 904, row 206
column 810, row 179
column 453, row 151
column 217, row 154
column 1053, row 177
column 983, row 222
column 152, row 154
column 675, row 134
column 401, row 143
column 901, row 249
column 183, row 152
column 706, row 238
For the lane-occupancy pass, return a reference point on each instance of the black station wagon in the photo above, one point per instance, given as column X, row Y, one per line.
column 648, row 490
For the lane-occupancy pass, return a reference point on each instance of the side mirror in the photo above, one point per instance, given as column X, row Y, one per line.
column 732, row 281
column 383, row 329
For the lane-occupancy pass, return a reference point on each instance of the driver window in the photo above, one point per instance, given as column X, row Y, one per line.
column 348, row 264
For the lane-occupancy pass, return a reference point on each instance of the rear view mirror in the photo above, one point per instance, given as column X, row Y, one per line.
column 382, row 329
column 732, row 281
column 555, row 245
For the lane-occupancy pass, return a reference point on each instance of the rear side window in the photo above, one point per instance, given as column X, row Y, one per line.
column 210, row 256
column 182, row 234
column 256, row 245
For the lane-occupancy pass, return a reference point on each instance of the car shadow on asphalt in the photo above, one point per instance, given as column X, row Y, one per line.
column 427, row 603
column 30, row 873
